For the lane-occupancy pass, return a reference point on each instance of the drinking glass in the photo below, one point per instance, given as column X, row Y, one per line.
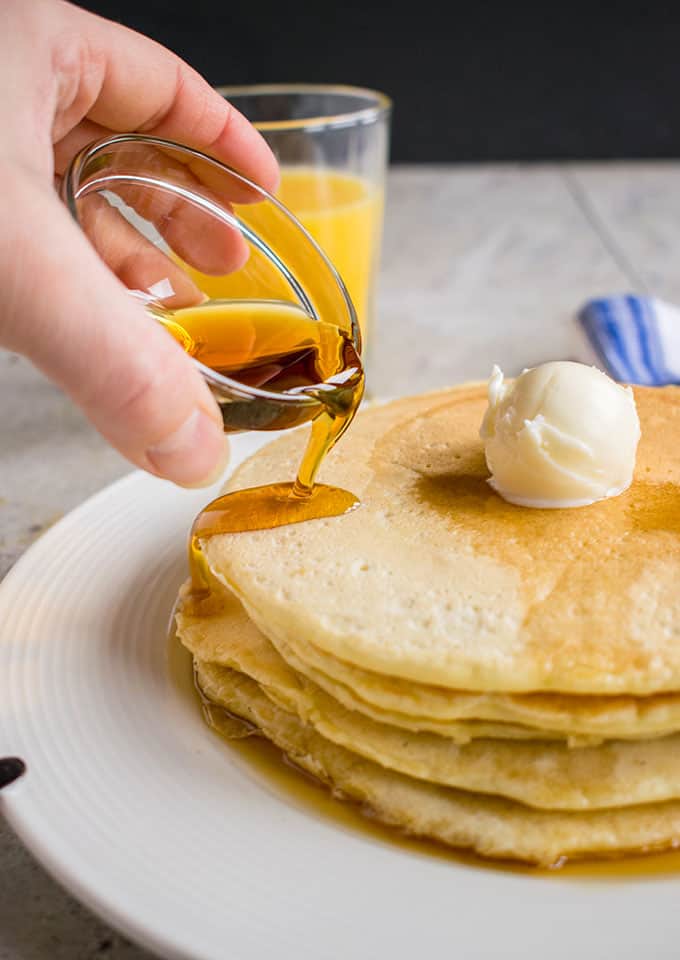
column 332, row 144
column 178, row 228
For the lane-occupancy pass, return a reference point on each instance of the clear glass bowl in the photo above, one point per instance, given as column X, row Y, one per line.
column 175, row 226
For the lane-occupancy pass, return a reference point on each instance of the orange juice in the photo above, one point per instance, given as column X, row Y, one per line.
column 344, row 215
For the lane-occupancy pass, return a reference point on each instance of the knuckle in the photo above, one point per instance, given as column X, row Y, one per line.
column 165, row 110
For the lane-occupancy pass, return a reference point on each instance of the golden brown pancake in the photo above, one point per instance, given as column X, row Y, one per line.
column 210, row 635
column 581, row 719
column 490, row 826
column 438, row 654
column 438, row 581
column 537, row 773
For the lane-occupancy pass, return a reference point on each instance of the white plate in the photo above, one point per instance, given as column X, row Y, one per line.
column 156, row 824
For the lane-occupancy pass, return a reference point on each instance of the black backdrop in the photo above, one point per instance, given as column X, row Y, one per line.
column 473, row 81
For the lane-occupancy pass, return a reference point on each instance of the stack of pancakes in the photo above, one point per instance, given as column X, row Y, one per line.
column 486, row 675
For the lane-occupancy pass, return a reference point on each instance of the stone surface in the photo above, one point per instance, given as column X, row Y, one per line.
column 636, row 209
column 480, row 264
column 483, row 265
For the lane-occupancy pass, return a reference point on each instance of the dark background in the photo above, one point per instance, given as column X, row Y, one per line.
column 474, row 81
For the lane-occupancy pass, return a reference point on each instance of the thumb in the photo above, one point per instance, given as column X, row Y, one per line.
column 67, row 313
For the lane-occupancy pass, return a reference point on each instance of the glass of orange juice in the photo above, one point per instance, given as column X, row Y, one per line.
column 332, row 145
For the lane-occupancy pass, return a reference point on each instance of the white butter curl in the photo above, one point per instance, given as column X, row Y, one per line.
column 562, row 434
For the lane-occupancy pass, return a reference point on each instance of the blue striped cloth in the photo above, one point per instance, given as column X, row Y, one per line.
column 635, row 338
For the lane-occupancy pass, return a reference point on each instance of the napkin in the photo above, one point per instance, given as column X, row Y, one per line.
column 636, row 339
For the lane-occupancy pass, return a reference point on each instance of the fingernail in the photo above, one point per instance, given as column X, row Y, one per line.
column 194, row 455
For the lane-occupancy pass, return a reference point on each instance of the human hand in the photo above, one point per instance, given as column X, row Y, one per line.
column 68, row 78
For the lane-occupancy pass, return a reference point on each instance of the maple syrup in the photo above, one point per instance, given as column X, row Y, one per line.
column 307, row 370
column 300, row 367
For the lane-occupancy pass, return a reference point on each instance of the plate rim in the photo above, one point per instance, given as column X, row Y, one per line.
column 10, row 800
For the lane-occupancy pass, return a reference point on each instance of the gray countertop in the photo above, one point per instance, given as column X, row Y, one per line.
column 480, row 264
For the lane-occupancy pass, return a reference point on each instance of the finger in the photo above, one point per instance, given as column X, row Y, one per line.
column 137, row 262
column 66, row 312
column 200, row 238
column 182, row 167
column 128, row 82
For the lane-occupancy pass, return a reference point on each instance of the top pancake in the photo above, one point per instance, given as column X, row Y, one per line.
column 436, row 579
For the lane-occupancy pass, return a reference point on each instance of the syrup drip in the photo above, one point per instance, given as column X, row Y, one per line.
column 277, row 347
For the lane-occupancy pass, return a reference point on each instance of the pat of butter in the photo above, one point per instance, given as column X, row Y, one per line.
column 561, row 435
